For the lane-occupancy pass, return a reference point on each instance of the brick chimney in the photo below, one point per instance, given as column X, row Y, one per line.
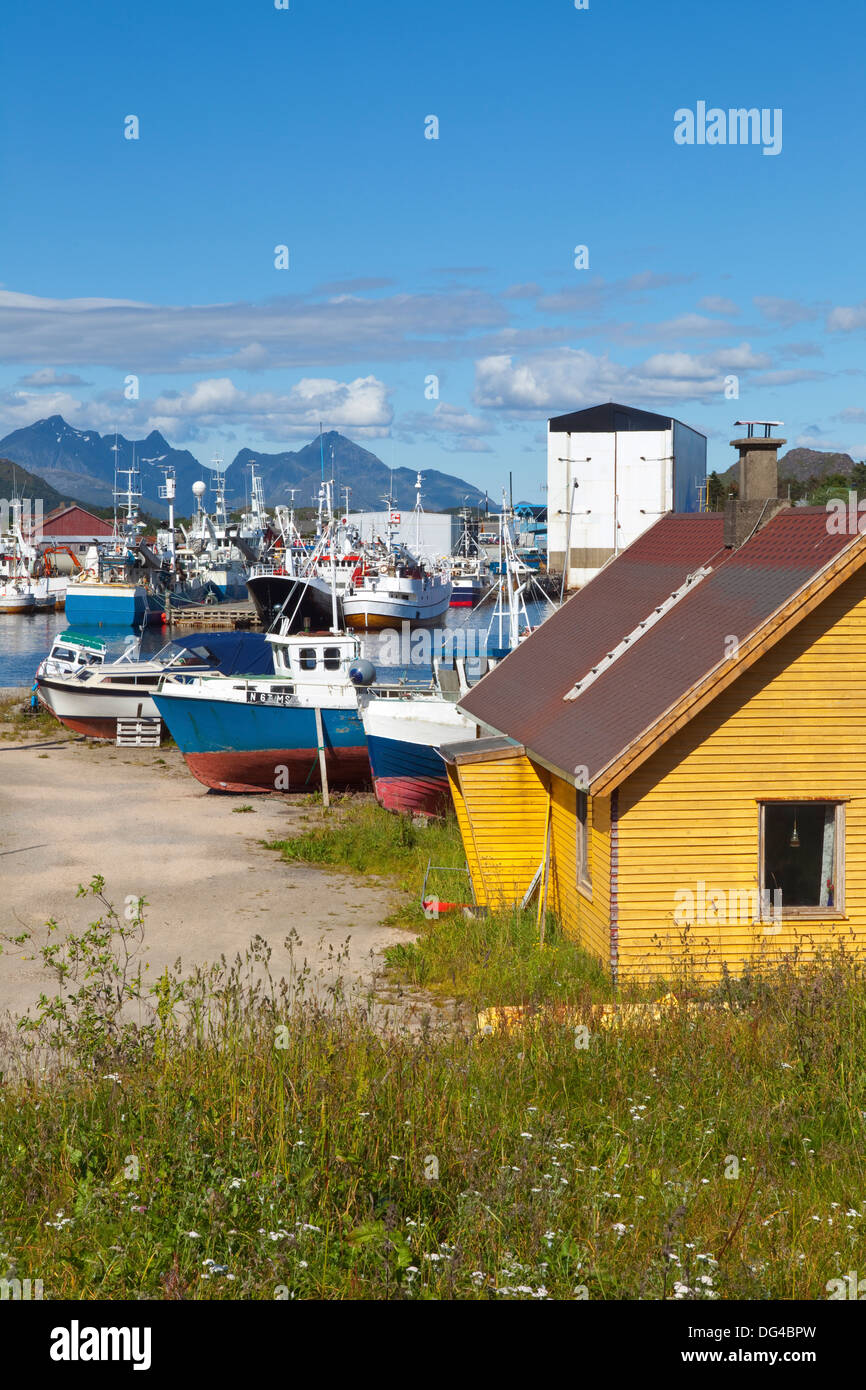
column 758, row 482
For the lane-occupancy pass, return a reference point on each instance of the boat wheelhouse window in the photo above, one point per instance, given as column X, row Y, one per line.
column 63, row 654
column 307, row 658
column 584, row 876
column 801, row 856
column 332, row 659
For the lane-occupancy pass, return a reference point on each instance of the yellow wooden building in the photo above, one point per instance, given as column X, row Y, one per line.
column 680, row 749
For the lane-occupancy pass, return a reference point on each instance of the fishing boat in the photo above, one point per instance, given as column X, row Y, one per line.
column 24, row 587
column 16, row 596
column 398, row 587
column 91, row 697
column 274, row 734
column 115, row 589
column 405, row 729
column 299, row 584
column 470, row 571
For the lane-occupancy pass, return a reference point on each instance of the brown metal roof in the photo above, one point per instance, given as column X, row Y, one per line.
column 524, row 696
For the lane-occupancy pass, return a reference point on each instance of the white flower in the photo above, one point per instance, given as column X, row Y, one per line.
column 193, row 1235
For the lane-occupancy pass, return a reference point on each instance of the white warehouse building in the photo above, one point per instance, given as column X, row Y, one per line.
column 439, row 531
column 612, row 471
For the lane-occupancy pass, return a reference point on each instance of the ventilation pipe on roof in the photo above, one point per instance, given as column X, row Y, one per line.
column 757, row 480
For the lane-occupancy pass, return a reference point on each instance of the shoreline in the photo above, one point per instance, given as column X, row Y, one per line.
column 71, row 809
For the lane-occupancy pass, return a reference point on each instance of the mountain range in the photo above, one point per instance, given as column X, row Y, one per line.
column 80, row 464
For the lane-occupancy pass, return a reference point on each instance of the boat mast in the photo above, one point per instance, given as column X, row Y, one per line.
column 167, row 493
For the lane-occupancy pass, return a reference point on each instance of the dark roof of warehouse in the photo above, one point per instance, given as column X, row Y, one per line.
column 524, row 696
column 608, row 418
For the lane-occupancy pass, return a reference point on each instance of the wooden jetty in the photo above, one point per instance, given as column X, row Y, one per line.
column 233, row 614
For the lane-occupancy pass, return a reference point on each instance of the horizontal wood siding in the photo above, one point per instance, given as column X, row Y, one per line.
column 506, row 811
column 585, row 919
column 466, row 836
column 794, row 726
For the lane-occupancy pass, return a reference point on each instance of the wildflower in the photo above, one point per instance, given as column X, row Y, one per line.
column 193, row 1235
column 524, row 1134
column 619, row 1227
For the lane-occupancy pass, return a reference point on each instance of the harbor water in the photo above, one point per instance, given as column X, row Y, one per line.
column 25, row 639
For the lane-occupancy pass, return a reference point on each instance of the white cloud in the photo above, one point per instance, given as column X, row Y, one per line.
column 20, row 408
column 361, row 406
column 718, row 304
column 846, row 319
column 285, row 331
column 785, row 312
column 47, row 376
column 569, row 378
column 455, row 428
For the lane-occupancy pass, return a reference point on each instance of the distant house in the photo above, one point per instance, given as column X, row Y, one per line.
column 680, row 747
column 73, row 526
column 612, row 471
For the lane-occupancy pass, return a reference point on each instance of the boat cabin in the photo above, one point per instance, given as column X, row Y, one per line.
column 71, row 652
column 314, row 657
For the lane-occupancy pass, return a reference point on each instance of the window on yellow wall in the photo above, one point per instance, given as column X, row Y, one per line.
column 584, row 873
column 802, row 856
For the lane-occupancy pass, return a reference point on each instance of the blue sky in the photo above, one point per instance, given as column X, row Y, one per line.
column 411, row 257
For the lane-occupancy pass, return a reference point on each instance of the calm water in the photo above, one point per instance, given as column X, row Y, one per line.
column 25, row 640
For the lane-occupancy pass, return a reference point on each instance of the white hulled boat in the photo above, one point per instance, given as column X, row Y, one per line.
column 399, row 588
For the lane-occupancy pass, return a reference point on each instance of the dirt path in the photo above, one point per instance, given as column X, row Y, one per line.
column 72, row 809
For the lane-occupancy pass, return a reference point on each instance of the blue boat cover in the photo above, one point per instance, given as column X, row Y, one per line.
column 234, row 653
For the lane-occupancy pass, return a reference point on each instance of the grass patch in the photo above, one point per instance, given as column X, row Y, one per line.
column 236, row 1140
column 497, row 959
column 493, row 959
column 357, row 835
column 241, row 810
column 18, row 721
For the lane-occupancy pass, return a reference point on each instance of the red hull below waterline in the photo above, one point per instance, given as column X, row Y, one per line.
column 279, row 769
column 462, row 603
column 105, row 728
column 422, row 796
